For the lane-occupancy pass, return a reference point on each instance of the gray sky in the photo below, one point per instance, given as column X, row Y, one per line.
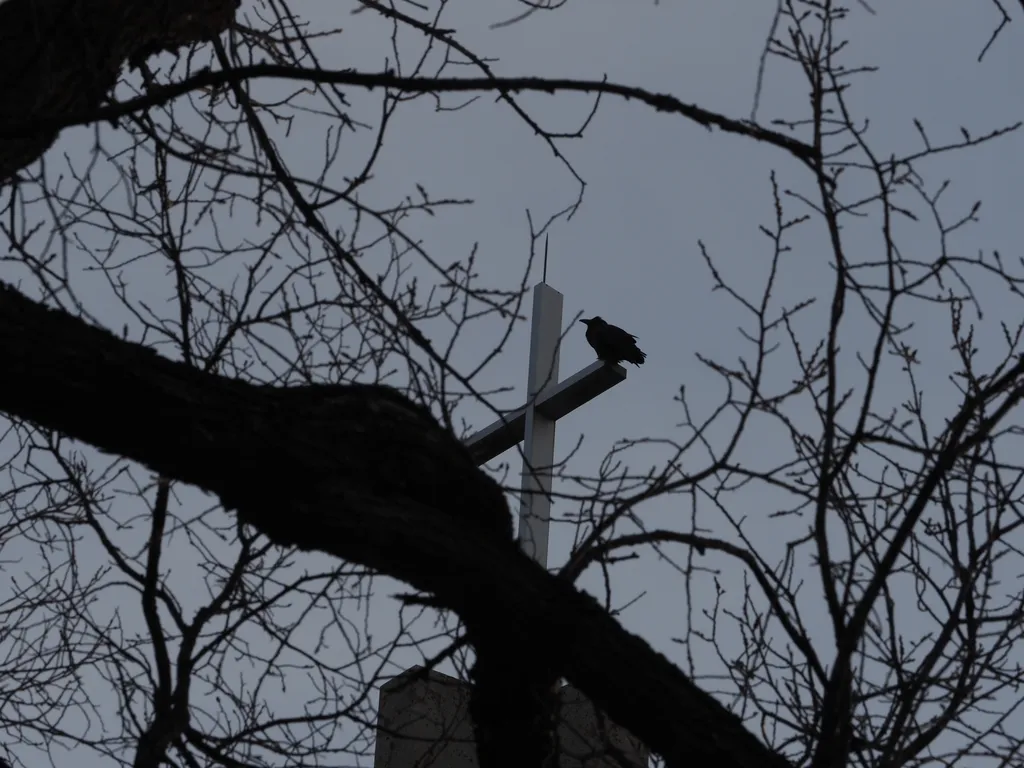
column 655, row 185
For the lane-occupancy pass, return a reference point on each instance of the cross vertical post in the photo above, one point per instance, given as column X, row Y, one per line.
column 533, row 424
column 539, row 444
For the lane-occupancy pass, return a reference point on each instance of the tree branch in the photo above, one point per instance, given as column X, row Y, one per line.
column 361, row 473
column 62, row 57
column 59, row 59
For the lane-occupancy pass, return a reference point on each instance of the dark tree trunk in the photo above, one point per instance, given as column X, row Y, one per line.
column 363, row 474
column 60, row 58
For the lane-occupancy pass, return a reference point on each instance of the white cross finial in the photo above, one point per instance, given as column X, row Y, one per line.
column 548, row 400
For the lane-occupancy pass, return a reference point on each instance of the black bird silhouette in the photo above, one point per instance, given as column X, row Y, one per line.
column 611, row 343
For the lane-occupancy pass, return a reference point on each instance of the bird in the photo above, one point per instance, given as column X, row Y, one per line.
column 611, row 343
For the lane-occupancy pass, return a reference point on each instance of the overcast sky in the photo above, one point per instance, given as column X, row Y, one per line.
column 656, row 184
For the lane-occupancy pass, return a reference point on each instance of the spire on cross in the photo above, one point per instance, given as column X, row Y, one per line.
column 533, row 424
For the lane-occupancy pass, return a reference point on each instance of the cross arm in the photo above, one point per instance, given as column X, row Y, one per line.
column 553, row 402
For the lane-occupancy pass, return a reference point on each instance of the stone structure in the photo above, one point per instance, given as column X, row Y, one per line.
column 423, row 723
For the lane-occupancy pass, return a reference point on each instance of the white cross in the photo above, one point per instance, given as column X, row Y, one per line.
column 534, row 424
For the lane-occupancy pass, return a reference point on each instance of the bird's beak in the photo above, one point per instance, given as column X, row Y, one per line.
column 585, row 322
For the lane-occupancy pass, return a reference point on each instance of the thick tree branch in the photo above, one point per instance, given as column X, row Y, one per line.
column 59, row 59
column 62, row 57
column 361, row 473
column 207, row 78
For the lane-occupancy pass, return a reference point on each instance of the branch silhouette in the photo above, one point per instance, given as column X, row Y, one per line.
column 62, row 57
column 361, row 473
column 60, row 64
